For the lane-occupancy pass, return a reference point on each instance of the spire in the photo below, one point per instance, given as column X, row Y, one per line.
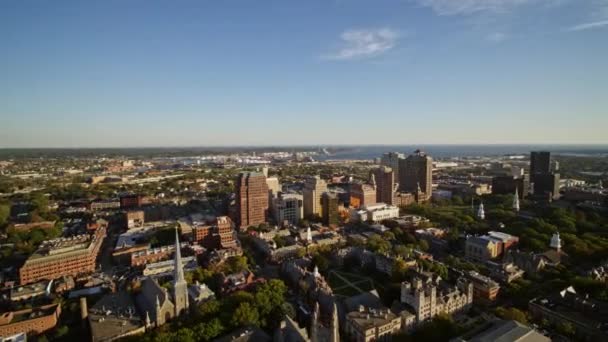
column 308, row 235
column 334, row 326
column 314, row 324
column 148, row 324
column 178, row 272
column 556, row 242
column 481, row 213
column 516, row 201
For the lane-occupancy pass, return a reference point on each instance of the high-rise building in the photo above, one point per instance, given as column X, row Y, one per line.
column 391, row 159
column 416, row 172
column 273, row 185
column 331, row 215
column 385, row 180
column 362, row 194
column 506, row 185
column 288, row 208
column 314, row 187
column 251, row 199
column 540, row 162
column 545, row 182
column 546, row 186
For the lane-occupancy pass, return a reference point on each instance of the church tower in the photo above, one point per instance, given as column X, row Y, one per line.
column 516, row 201
column 481, row 214
column 334, row 326
column 314, row 324
column 180, row 287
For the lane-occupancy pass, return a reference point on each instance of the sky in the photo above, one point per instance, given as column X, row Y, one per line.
column 280, row 72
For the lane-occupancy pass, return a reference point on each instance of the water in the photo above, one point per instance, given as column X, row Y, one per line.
column 452, row 151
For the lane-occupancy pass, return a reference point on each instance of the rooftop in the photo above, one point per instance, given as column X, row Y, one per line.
column 367, row 318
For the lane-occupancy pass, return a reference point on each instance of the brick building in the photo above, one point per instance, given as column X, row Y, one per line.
column 71, row 256
column 29, row 321
column 385, row 185
column 251, row 199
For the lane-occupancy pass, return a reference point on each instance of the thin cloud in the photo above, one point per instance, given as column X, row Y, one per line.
column 455, row 7
column 588, row 26
column 497, row 37
column 364, row 43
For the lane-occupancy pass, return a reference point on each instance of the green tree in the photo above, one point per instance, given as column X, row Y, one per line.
column 5, row 211
column 236, row 264
column 320, row 261
column 209, row 330
column 512, row 314
column 566, row 328
column 246, row 314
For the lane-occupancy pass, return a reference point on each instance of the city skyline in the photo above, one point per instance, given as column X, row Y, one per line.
column 152, row 74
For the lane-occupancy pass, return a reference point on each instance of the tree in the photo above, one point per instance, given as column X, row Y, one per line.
column 424, row 245
column 270, row 296
column 236, row 264
column 5, row 211
column 566, row 328
column 185, row 335
column 246, row 314
column 209, row 330
column 512, row 314
column 320, row 261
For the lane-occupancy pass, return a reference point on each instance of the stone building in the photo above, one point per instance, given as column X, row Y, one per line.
column 429, row 296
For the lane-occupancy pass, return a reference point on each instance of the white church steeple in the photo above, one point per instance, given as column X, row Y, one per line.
column 516, row 201
column 481, row 214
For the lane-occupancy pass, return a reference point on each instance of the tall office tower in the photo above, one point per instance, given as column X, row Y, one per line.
column 314, row 187
column 251, row 199
column 273, row 185
column 391, row 159
column 385, row 180
column 540, row 163
column 288, row 209
column 362, row 194
column 330, row 209
column 545, row 181
column 416, row 171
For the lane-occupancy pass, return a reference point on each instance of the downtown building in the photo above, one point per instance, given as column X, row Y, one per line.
column 385, row 184
column 288, row 209
column 251, row 199
column 545, row 182
column 363, row 194
column 416, row 175
column 314, row 187
column 67, row 256
column 392, row 160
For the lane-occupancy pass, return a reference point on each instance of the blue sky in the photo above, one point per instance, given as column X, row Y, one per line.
column 194, row 73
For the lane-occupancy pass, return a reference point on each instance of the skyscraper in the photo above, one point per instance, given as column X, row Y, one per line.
column 330, row 209
column 251, row 199
column 314, row 187
column 385, row 180
column 540, row 162
column 362, row 194
column 545, row 182
column 416, row 171
column 391, row 159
